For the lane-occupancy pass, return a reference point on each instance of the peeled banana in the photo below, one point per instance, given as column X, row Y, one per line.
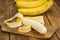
column 30, row 4
column 35, row 25
column 36, row 11
column 14, row 24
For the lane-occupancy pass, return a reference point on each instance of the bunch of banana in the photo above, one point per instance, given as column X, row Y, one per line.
column 33, row 7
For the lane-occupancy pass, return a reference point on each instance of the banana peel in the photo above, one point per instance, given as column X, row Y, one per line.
column 14, row 24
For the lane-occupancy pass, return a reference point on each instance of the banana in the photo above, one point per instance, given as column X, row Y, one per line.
column 35, row 25
column 14, row 24
column 30, row 4
column 36, row 11
column 24, row 29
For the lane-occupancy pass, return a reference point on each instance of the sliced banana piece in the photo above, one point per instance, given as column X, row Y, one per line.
column 14, row 24
column 24, row 29
column 35, row 25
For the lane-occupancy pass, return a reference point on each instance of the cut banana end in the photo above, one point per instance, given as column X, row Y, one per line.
column 14, row 24
column 24, row 29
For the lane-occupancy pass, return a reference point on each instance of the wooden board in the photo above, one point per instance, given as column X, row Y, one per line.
column 51, row 27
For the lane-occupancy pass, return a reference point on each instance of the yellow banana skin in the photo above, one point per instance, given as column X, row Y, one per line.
column 36, row 11
column 24, row 0
column 14, row 24
column 30, row 4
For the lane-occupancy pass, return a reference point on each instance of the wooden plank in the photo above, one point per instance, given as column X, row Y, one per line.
column 3, row 10
column 57, row 7
column 58, row 32
column 52, row 15
column 3, row 36
column 13, row 8
column 31, row 38
column 18, row 37
column 57, row 2
column 58, row 21
column 1, row 17
column 21, row 37
column 54, row 37
column 56, row 18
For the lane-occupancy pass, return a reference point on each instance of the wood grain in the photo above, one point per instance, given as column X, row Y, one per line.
column 3, row 36
column 3, row 8
column 58, row 20
column 54, row 37
column 57, row 2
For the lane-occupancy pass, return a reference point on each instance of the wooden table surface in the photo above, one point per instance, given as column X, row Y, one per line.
column 4, row 4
